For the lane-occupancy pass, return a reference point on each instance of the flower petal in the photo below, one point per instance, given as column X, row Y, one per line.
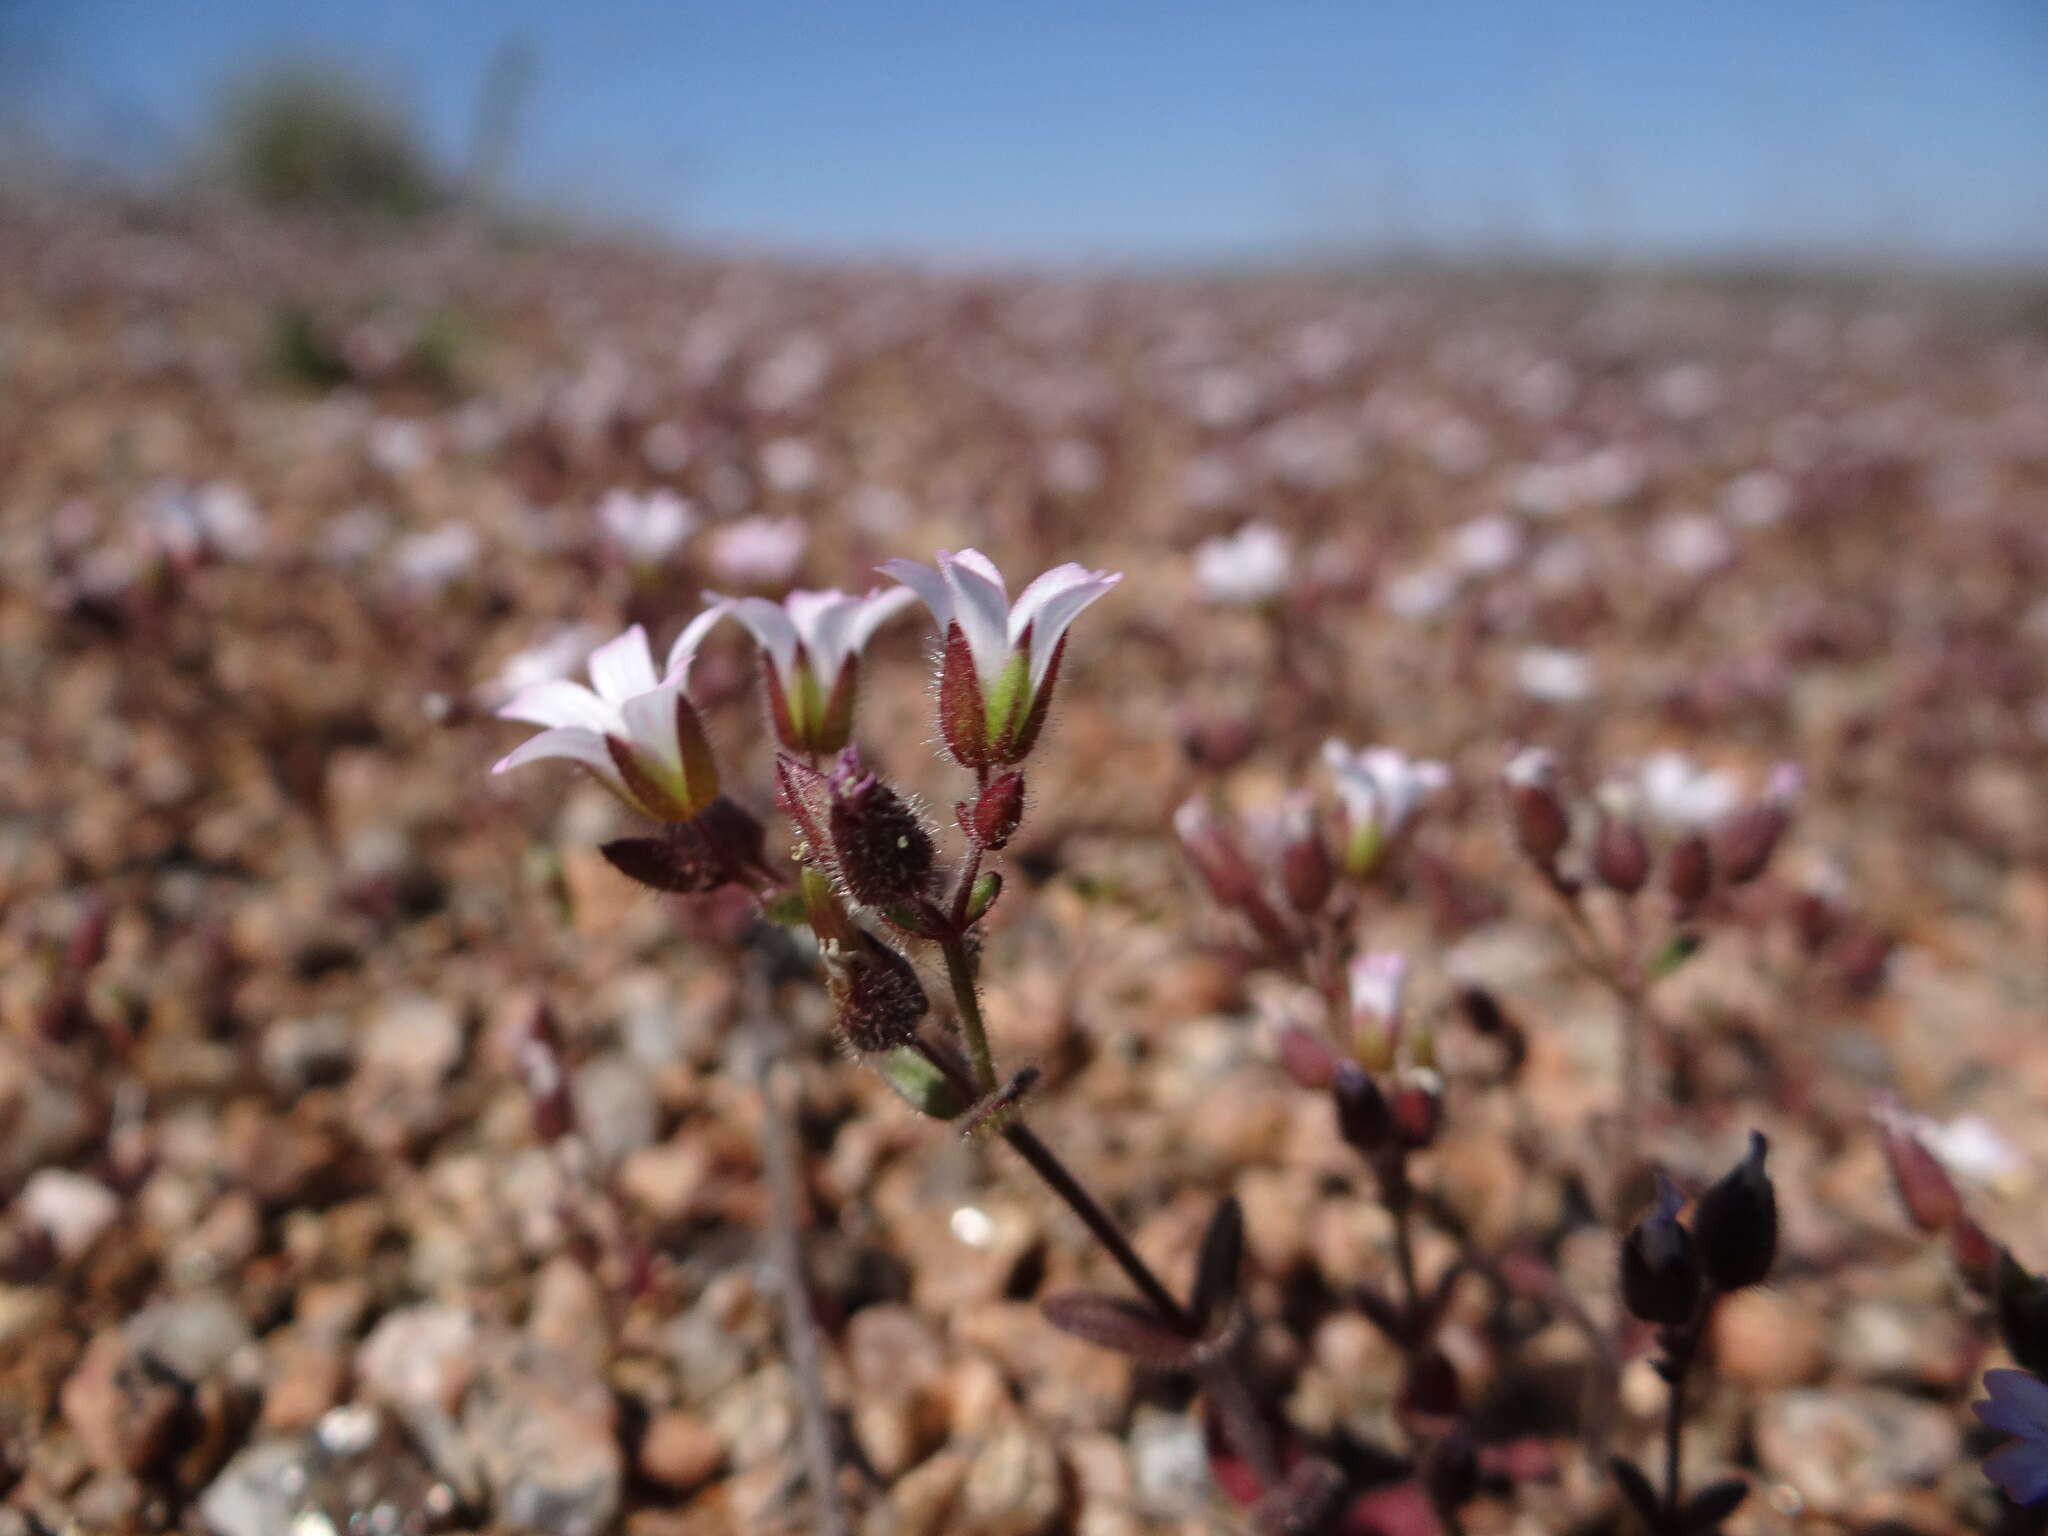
column 571, row 742
column 928, row 584
column 560, row 703
column 2020, row 1467
column 769, row 625
column 1051, row 604
column 623, row 666
column 2018, row 1404
column 651, row 727
column 981, row 607
column 684, row 651
column 821, row 620
column 876, row 609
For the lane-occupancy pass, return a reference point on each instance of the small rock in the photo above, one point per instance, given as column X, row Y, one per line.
column 569, row 1313
column 196, row 1336
column 756, row 1417
column 666, row 1180
column 680, row 1450
column 259, row 1493
column 617, row 1111
column 1839, row 1448
column 1769, row 1339
column 1013, row 1486
column 415, row 1040
column 421, row 1356
column 1169, row 1462
column 73, row 1209
column 307, row 1053
column 924, row 1499
column 543, row 1428
column 121, row 1411
column 308, row 1376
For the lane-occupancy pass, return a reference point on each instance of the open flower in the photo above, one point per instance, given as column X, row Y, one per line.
column 1382, row 788
column 648, row 528
column 1250, row 567
column 1001, row 660
column 638, row 734
column 2018, row 1406
column 810, row 646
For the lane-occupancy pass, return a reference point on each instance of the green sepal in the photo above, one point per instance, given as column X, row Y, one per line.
column 920, row 1084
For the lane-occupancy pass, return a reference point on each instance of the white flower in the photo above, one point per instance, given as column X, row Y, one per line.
column 646, row 529
column 1677, row 792
column 812, row 643
column 638, row 734
column 997, row 672
column 1382, row 788
column 430, row 560
column 1532, row 768
column 1421, row 592
column 1554, row 676
column 759, row 549
column 1249, row 567
column 1486, row 544
column 1691, row 543
column 1377, row 979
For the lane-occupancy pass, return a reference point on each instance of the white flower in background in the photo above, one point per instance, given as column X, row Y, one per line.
column 1759, row 499
column 1001, row 661
column 1456, row 446
column 1210, row 482
column 1426, row 590
column 351, row 537
column 1250, row 567
column 1486, row 544
column 1969, row 1145
column 218, row 519
column 1554, row 676
column 1691, row 544
column 431, row 560
column 762, row 551
column 398, row 447
column 1072, row 466
column 1686, row 392
column 645, row 529
column 1376, row 981
column 638, row 734
column 666, row 447
column 1678, row 793
column 790, row 465
column 1381, row 789
column 811, row 644
column 790, row 374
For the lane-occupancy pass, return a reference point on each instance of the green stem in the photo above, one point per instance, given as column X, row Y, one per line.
column 960, row 972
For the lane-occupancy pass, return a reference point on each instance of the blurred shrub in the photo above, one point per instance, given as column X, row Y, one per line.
column 304, row 136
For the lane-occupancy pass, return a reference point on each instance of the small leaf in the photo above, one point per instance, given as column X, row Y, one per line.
column 1130, row 1328
column 785, row 907
column 1682, row 947
column 1216, row 1271
column 920, row 1084
column 1637, row 1490
column 1705, row 1510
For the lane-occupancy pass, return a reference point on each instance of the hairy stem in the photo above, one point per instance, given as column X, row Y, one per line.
column 967, row 1002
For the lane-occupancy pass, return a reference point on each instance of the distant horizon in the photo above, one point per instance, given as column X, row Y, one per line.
column 1891, row 134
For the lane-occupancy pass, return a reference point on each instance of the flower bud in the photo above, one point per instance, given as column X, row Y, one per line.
column 1306, row 1057
column 1930, row 1197
column 882, row 849
column 1688, row 875
column 1363, row 1119
column 1417, row 1108
column 1377, row 980
column 1307, row 872
column 1450, row 1470
column 876, row 993
column 1660, row 1270
column 1745, row 840
column 1538, row 813
column 1621, row 855
column 994, row 815
column 2023, row 1314
column 1735, row 1224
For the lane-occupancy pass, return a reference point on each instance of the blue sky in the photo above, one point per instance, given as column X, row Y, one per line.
column 1178, row 131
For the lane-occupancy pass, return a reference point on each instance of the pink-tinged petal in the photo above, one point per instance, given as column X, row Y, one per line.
column 981, row 607
column 929, row 586
column 684, row 651
column 2020, row 1467
column 822, row 620
column 1042, row 590
column 2018, row 1404
column 623, row 666
column 560, row 703
column 770, row 627
column 651, row 728
column 876, row 609
column 1057, row 609
column 571, row 743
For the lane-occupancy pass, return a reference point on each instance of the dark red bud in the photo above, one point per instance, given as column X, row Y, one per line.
column 1688, row 875
column 995, row 814
column 963, row 715
column 1306, row 1057
column 1363, row 1119
column 876, row 993
column 879, row 844
column 1735, row 1223
column 1541, row 825
column 1621, row 855
column 1660, row 1269
column 1417, row 1106
column 1745, row 840
column 1925, row 1189
column 1307, row 873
